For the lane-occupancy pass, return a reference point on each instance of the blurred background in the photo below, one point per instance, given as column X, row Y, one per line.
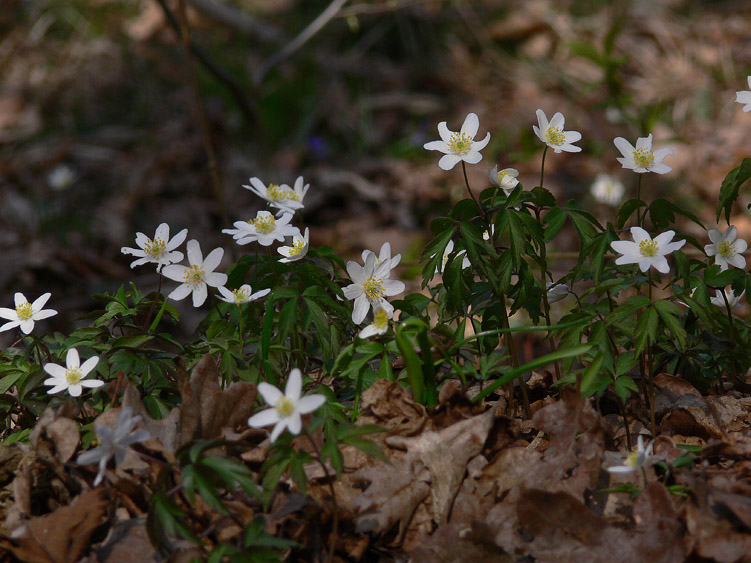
column 100, row 137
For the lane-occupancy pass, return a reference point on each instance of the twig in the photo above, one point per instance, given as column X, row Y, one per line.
column 237, row 91
column 305, row 35
column 226, row 14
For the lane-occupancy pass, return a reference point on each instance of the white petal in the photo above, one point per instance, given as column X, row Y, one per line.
column 361, row 307
column 263, row 418
column 715, row 236
column 180, row 292
column 444, row 132
column 639, row 234
column 215, row 279
column 88, row 365
column 621, row 469
column 269, row 393
column 56, row 371
column 278, row 429
column 626, row 148
column 309, row 403
column 644, row 142
column 437, row 146
column 72, row 361
column 472, row 157
column 293, row 390
column 19, row 299
column 199, row 295
column 177, row 240
column 352, row 291
column 42, row 299
column 542, row 121
column 557, row 120
column 448, row 161
column 175, row 272
column 27, row 326
column 471, row 125
column 294, row 423
column 162, row 232
column 194, row 253
column 479, row 145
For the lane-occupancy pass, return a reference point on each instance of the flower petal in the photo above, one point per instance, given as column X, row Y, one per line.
column 448, row 161
column 269, row 393
column 263, row 418
column 293, row 390
column 471, row 125
column 180, row 292
column 72, row 361
column 309, row 403
column 437, row 146
column 444, row 132
column 194, row 253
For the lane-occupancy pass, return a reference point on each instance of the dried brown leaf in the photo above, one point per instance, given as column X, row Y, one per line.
column 56, row 435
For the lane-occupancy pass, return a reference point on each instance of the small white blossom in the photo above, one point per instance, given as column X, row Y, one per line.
column 726, row 248
column 371, row 285
column 264, row 229
column 646, row 251
column 447, row 254
column 61, row 177
column 556, row 292
column 733, row 300
column 286, row 409
column 744, row 97
column 283, row 198
column 298, row 250
column 25, row 314
column 486, row 235
column 71, row 377
column 607, row 189
column 642, row 158
column 160, row 250
column 384, row 255
column 552, row 134
column 506, row 179
column 243, row 294
column 458, row 146
column 379, row 325
column 635, row 459
column 197, row 276
column 114, row 442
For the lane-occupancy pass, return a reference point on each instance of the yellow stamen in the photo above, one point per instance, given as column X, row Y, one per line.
column 726, row 249
column 284, row 406
column 297, row 247
column 644, row 158
column 373, row 289
column 380, row 319
column 460, row 143
column 241, row 294
column 264, row 224
column 73, row 376
column 194, row 275
column 632, row 459
column 24, row 311
column 648, row 247
column 155, row 248
column 276, row 193
column 555, row 135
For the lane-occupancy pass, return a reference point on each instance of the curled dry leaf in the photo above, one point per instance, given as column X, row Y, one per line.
column 55, row 436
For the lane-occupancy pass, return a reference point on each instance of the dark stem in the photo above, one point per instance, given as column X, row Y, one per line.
column 153, row 303
column 639, row 218
column 542, row 166
column 469, row 191
column 650, row 370
column 330, row 481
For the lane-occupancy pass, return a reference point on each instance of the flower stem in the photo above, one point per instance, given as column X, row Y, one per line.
column 469, row 191
column 650, row 370
column 153, row 302
column 330, row 481
column 639, row 218
column 542, row 166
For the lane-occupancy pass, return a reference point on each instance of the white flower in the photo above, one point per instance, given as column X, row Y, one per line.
column 733, row 300
column 197, row 276
column 744, row 97
column 61, row 177
column 642, row 158
column 447, row 254
column 284, row 198
column 459, row 146
column 379, row 325
column 556, row 292
column 383, row 256
column 265, row 229
column 160, row 250
column 72, row 376
column 371, row 286
column 25, row 314
column 635, row 459
column 607, row 189
column 726, row 248
column 646, row 251
column 114, row 442
column 486, row 235
column 286, row 409
column 552, row 133
column 506, row 179
column 241, row 295
column 298, row 250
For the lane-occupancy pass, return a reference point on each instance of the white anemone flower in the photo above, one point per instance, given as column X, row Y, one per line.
column 384, row 255
column 556, row 292
column 264, row 229
column 641, row 158
column 196, row 277
column 733, row 300
column 744, row 97
column 371, row 285
column 486, row 235
column 113, row 442
column 552, row 134
column 726, row 248
column 447, row 254
column 459, row 146
column 646, row 251
column 379, row 325
column 298, row 250
column 635, row 459
column 283, row 198
column 506, row 179
column 286, row 409
column 607, row 189
column 71, row 377
column 25, row 314
column 160, row 250
column 243, row 294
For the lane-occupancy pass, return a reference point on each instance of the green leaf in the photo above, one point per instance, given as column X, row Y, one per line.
column 646, row 330
column 626, row 309
column 624, row 386
column 433, row 253
column 730, row 186
column 669, row 313
column 534, row 364
column 554, row 219
column 590, row 382
column 627, row 209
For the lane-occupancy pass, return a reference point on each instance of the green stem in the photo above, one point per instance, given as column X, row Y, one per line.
column 639, row 218
column 153, row 302
column 469, row 191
